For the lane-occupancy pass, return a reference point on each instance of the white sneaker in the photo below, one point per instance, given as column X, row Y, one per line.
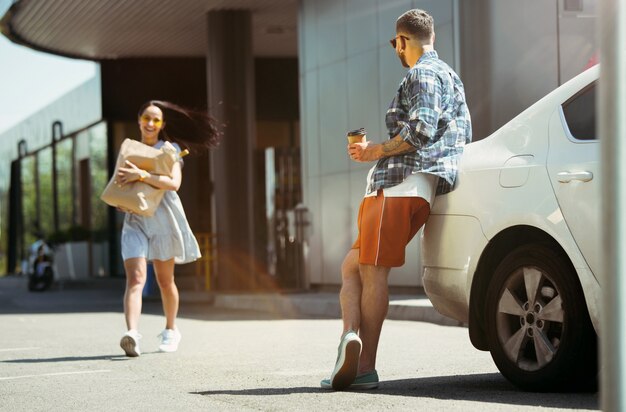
column 130, row 343
column 170, row 338
column 347, row 364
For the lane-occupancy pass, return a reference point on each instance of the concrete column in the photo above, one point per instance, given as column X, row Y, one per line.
column 612, row 129
column 230, row 85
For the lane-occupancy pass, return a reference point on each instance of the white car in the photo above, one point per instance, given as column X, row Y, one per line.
column 514, row 250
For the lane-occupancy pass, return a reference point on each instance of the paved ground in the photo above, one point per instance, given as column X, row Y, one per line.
column 59, row 351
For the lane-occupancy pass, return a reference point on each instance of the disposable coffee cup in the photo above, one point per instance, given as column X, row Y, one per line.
column 356, row 136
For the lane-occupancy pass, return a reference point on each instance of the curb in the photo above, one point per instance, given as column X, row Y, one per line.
column 418, row 309
column 326, row 305
column 287, row 305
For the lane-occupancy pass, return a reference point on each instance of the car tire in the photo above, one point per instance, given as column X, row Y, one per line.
column 538, row 327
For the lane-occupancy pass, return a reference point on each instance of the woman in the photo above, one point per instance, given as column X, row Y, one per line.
column 165, row 238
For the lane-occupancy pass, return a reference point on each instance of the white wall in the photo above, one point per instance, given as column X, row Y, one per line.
column 577, row 37
column 348, row 75
column 524, row 59
column 542, row 48
column 515, row 52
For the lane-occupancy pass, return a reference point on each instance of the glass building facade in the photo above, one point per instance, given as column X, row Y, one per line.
column 51, row 180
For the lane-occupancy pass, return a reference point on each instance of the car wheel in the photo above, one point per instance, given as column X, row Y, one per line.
column 538, row 328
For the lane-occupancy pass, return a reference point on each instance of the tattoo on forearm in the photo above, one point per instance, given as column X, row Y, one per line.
column 391, row 146
column 395, row 146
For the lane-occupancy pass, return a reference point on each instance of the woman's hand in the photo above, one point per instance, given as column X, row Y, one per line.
column 130, row 173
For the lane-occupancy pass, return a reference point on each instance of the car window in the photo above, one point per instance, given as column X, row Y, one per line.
column 580, row 113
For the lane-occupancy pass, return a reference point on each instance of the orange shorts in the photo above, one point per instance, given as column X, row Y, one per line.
column 386, row 226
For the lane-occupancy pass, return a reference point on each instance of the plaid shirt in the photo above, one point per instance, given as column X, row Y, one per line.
column 430, row 113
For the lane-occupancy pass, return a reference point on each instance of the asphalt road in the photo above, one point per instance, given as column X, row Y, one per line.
column 59, row 352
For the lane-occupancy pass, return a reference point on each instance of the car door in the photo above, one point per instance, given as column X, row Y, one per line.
column 573, row 165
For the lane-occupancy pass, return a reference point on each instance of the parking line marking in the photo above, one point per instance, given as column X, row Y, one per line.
column 7, row 378
column 16, row 349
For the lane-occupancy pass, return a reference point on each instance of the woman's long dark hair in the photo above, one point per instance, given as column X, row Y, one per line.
column 193, row 129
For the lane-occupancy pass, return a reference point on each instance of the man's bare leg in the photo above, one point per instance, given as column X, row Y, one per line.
column 374, row 307
column 349, row 350
column 351, row 290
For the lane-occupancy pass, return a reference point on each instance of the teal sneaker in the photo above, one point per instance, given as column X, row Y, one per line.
column 367, row 380
column 347, row 364
column 364, row 381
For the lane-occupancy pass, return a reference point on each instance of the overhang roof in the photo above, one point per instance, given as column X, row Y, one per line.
column 111, row 29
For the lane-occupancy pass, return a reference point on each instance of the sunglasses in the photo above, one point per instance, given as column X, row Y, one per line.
column 395, row 40
column 145, row 119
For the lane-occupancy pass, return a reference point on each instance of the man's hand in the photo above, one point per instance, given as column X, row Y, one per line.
column 368, row 151
column 363, row 151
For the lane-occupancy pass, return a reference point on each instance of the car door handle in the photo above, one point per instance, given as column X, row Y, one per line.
column 566, row 177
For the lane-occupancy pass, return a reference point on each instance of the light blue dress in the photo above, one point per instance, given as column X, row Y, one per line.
column 163, row 236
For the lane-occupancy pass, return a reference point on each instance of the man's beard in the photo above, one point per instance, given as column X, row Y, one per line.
column 403, row 61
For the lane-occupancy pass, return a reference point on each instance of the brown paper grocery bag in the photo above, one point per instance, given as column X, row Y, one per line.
column 140, row 197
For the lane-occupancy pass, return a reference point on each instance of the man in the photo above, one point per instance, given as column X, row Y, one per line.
column 429, row 124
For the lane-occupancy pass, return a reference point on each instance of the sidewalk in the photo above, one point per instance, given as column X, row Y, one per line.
column 288, row 305
column 318, row 304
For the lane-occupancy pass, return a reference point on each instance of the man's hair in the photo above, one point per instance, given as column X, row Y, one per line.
column 418, row 23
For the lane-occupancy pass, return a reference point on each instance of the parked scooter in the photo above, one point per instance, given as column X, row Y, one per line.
column 39, row 270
